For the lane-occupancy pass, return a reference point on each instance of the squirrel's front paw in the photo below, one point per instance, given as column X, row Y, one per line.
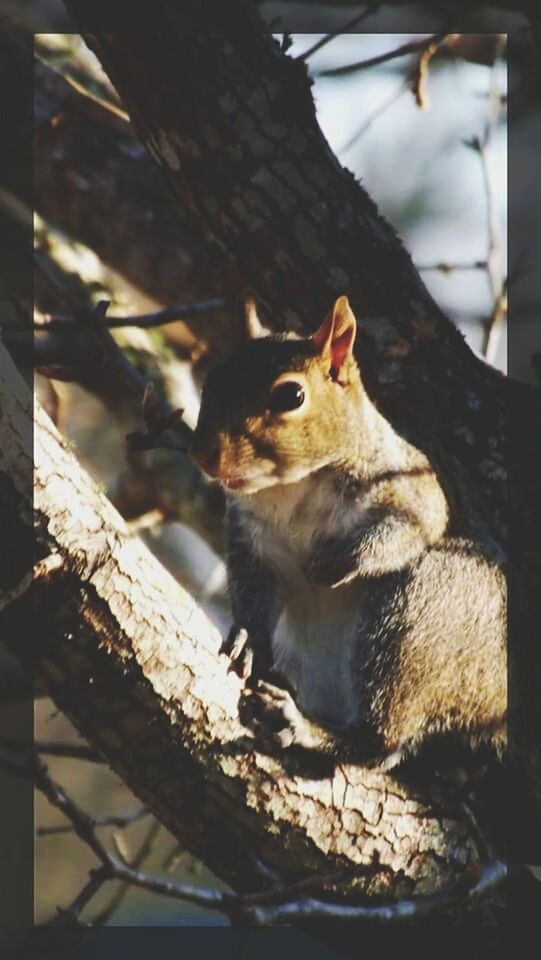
column 275, row 715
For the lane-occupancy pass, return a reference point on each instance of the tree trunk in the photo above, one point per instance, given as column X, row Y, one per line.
column 134, row 663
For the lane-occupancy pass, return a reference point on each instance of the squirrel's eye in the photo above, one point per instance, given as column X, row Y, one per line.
column 286, row 396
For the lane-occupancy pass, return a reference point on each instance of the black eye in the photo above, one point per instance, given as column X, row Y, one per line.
column 286, row 396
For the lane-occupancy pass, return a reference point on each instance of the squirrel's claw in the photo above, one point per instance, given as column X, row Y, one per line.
column 248, row 653
column 237, row 648
column 235, row 642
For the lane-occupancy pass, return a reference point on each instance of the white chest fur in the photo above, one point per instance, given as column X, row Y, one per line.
column 315, row 637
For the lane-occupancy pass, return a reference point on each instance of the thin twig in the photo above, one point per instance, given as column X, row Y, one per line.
column 119, row 820
column 285, row 893
column 120, row 894
column 92, row 344
column 66, row 916
column 56, row 748
column 496, row 279
column 83, row 826
column 487, row 877
column 445, row 267
column 145, row 321
column 159, row 318
column 413, row 46
column 174, row 858
column 165, row 427
column 343, row 28
column 483, row 846
column 375, row 115
column 495, row 325
column 419, row 74
column 78, row 83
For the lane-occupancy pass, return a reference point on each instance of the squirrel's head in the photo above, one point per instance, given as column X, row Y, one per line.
column 281, row 406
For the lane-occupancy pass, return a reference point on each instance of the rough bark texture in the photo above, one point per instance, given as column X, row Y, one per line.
column 230, row 120
column 134, row 663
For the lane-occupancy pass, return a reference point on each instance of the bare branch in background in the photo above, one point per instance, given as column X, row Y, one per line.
column 375, row 115
column 146, row 320
column 476, row 883
column 445, row 267
column 497, row 282
column 84, row 350
column 118, row 820
column 343, row 28
column 419, row 73
column 495, row 324
column 415, row 81
column 89, row 347
column 283, row 904
column 72, row 751
column 414, row 46
column 165, row 427
column 142, row 854
column 111, row 868
column 69, row 916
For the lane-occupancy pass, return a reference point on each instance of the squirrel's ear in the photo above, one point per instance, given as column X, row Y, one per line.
column 336, row 335
column 252, row 328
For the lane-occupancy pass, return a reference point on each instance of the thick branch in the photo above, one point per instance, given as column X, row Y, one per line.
column 133, row 662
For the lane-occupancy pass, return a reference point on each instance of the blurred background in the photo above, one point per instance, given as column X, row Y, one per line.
column 435, row 161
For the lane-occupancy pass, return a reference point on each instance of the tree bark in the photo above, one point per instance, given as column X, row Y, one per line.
column 130, row 658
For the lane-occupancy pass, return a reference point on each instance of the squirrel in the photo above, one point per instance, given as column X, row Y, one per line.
column 384, row 628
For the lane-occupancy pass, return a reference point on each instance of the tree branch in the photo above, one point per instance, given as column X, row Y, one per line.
column 73, row 751
column 134, row 663
column 145, row 321
column 345, row 27
column 430, row 44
